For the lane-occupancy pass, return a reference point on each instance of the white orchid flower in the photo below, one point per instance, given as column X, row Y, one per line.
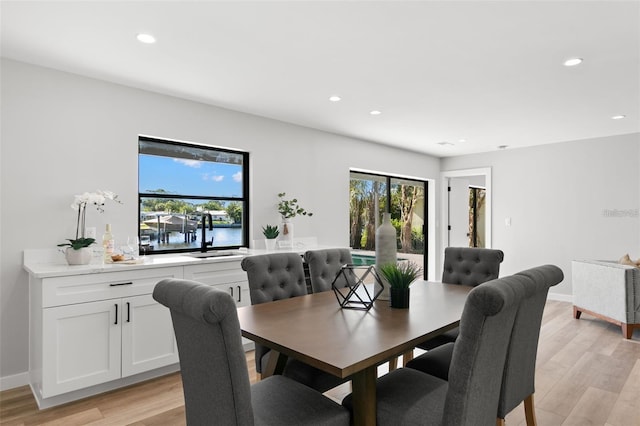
column 80, row 205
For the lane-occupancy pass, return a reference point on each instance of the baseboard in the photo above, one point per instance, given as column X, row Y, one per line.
column 560, row 297
column 15, row 381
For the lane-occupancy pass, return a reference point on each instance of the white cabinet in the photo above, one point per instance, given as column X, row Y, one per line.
column 91, row 329
column 148, row 341
column 225, row 276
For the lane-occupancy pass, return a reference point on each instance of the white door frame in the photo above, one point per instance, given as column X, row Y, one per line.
column 444, row 178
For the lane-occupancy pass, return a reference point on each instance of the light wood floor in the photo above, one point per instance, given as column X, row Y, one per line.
column 587, row 374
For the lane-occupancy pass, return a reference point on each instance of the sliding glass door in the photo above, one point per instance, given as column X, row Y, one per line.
column 373, row 194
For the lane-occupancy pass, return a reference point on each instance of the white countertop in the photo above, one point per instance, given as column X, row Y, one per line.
column 45, row 263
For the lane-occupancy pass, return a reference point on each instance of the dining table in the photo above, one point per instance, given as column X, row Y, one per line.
column 351, row 343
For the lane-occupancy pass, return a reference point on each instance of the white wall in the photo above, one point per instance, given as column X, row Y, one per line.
column 556, row 196
column 64, row 134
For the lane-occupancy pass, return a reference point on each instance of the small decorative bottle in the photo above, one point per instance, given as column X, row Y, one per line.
column 108, row 243
column 386, row 249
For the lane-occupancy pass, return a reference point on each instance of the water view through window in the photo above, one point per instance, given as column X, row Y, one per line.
column 186, row 189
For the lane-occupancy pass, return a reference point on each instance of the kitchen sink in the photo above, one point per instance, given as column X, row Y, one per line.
column 213, row 253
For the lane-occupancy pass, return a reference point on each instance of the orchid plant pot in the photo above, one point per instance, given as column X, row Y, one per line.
column 82, row 256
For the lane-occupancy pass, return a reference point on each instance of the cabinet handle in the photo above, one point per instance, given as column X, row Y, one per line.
column 116, row 313
column 128, row 312
column 239, row 295
column 231, row 291
column 119, row 284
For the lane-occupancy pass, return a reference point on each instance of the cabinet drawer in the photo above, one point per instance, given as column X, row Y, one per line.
column 60, row 291
column 215, row 273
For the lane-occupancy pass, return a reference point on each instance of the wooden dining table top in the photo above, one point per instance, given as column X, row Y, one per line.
column 315, row 330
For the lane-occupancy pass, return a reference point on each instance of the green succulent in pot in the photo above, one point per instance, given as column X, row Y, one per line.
column 401, row 274
column 270, row 231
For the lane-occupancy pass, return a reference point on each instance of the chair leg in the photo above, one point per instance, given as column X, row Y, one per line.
column 627, row 330
column 576, row 313
column 529, row 411
column 500, row 422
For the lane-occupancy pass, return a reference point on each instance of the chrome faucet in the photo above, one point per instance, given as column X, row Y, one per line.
column 205, row 244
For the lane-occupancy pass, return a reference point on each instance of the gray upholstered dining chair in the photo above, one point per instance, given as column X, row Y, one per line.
column 277, row 276
column 471, row 395
column 518, row 381
column 214, row 370
column 324, row 266
column 466, row 266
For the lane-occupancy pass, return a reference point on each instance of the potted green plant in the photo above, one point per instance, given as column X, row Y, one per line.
column 270, row 232
column 400, row 275
column 288, row 209
column 77, row 252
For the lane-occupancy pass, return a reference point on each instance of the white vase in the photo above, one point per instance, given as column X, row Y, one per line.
column 78, row 257
column 270, row 244
column 286, row 232
column 386, row 250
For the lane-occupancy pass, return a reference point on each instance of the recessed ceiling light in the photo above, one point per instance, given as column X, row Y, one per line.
column 375, row 112
column 335, row 98
column 618, row 117
column 146, row 38
column 572, row 62
column 462, row 140
column 445, row 143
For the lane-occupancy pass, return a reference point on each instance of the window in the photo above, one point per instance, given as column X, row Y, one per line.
column 371, row 195
column 179, row 184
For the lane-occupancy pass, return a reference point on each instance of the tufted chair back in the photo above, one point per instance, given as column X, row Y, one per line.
column 324, row 266
column 214, row 370
column 470, row 266
column 274, row 276
column 518, row 381
column 212, row 361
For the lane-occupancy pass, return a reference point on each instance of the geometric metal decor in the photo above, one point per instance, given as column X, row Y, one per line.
column 357, row 286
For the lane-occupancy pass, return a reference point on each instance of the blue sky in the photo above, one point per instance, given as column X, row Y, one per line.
column 189, row 177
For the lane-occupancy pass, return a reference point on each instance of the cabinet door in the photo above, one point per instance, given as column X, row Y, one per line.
column 81, row 345
column 148, row 340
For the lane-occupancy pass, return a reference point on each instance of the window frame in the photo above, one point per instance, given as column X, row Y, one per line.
column 388, row 178
column 244, row 199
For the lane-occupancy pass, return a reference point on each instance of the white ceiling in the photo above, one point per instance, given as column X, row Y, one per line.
column 487, row 73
